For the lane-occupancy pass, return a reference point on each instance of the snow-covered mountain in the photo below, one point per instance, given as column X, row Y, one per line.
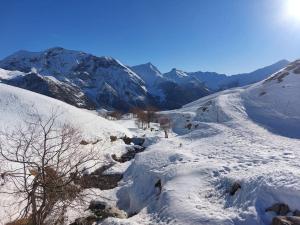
column 91, row 82
column 149, row 73
column 178, row 76
column 101, row 81
column 152, row 78
column 173, row 89
column 215, row 81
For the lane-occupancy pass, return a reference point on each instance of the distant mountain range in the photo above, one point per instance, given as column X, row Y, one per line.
column 92, row 82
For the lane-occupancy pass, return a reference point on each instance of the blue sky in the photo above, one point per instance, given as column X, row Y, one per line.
column 228, row 36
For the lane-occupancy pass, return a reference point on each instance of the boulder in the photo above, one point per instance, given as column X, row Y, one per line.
column 130, row 154
column 296, row 212
column 84, row 142
column 113, row 138
column 286, row 220
column 280, row 209
column 138, row 141
column 127, row 140
column 234, row 188
column 97, row 205
column 90, row 220
column 103, row 210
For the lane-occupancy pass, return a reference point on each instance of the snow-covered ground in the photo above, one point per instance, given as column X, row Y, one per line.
column 247, row 135
column 226, row 144
column 17, row 104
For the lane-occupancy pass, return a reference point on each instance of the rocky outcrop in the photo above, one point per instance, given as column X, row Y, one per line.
column 129, row 155
column 234, row 188
column 103, row 210
column 286, row 220
column 281, row 209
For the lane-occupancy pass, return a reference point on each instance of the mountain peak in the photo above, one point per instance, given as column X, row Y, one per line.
column 56, row 48
column 148, row 72
column 177, row 73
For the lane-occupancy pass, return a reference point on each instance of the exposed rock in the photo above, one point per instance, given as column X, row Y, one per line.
column 113, row 138
column 278, row 76
column 97, row 205
column 83, row 142
column 158, row 186
column 138, row 141
column 130, row 154
column 279, row 208
column 296, row 212
column 189, row 126
column 127, row 140
column 102, row 210
column 234, row 188
column 98, row 179
column 286, row 220
column 90, row 220
column 297, row 71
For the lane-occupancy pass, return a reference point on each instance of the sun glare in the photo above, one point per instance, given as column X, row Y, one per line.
column 293, row 9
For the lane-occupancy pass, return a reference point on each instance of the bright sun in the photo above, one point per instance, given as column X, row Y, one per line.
column 293, row 9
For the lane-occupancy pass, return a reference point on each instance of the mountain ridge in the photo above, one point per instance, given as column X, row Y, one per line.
column 93, row 82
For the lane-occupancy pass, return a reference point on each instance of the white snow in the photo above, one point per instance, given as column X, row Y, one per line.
column 16, row 104
column 197, row 167
column 5, row 74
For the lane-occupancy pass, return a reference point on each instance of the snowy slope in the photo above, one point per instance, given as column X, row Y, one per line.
column 274, row 103
column 16, row 103
column 15, row 106
column 4, row 74
column 218, row 141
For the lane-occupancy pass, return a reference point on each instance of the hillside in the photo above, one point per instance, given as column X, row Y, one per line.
column 220, row 141
column 16, row 104
column 16, row 107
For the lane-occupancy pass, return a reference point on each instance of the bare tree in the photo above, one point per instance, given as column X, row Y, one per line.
column 47, row 159
column 141, row 117
column 150, row 115
column 165, row 125
column 144, row 117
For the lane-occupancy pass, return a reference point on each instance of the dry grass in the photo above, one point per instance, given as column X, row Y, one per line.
column 23, row 221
